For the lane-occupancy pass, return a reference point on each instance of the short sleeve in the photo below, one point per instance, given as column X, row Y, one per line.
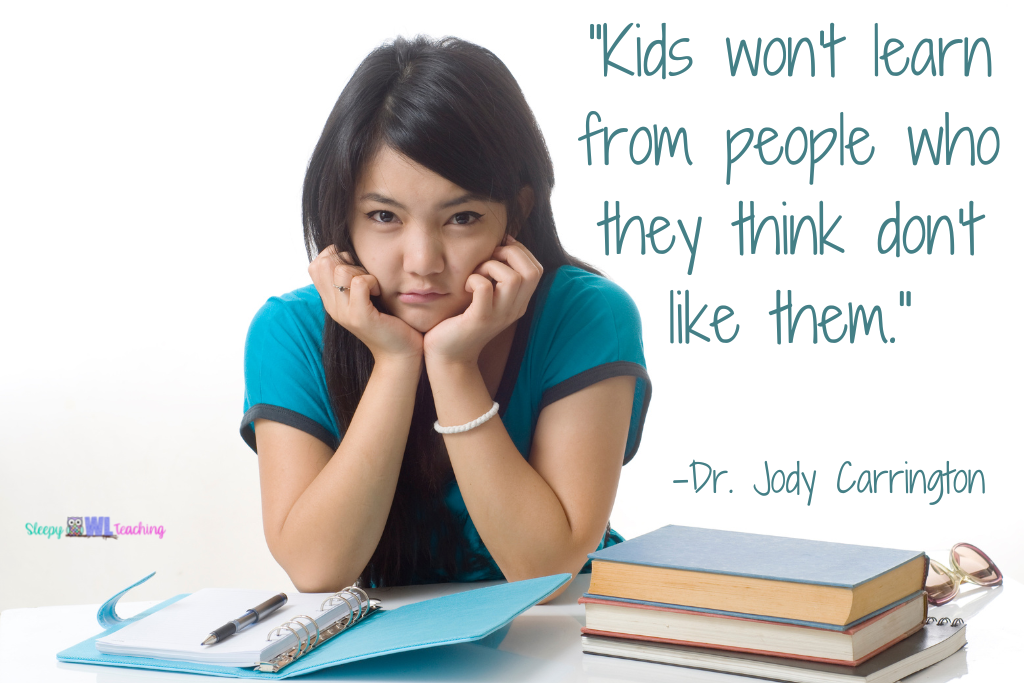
column 284, row 375
column 593, row 333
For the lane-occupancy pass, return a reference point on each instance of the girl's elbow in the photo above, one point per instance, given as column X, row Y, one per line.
column 555, row 594
column 319, row 585
column 318, row 582
column 571, row 567
column 306, row 574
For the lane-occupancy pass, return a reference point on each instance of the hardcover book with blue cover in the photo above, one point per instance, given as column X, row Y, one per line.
column 741, row 573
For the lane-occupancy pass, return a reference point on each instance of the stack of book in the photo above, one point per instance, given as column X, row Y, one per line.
column 781, row 608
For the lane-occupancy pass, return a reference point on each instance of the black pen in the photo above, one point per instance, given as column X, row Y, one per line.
column 249, row 618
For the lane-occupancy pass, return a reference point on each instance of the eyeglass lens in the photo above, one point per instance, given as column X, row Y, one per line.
column 976, row 564
column 939, row 585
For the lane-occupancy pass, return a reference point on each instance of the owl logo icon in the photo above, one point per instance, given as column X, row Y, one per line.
column 76, row 526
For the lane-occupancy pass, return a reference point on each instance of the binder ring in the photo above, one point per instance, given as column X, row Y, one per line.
column 366, row 598
column 303, row 646
column 340, row 596
column 312, row 622
column 330, row 602
column 277, row 631
column 358, row 607
column 319, row 635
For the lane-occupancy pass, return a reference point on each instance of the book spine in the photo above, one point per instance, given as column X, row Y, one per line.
column 647, row 604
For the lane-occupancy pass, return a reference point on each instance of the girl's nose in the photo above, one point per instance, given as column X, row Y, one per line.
column 423, row 251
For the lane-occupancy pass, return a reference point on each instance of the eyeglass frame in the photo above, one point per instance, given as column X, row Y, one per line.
column 958, row 575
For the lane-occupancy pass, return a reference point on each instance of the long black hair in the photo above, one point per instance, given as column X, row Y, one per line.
column 454, row 108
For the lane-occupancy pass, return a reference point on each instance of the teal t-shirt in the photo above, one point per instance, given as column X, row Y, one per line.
column 580, row 328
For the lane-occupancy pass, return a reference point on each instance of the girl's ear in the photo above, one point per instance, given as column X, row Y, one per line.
column 525, row 207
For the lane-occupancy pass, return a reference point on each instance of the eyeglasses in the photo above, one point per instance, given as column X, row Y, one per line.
column 968, row 564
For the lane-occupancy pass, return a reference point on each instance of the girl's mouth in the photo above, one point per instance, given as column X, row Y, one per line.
column 419, row 297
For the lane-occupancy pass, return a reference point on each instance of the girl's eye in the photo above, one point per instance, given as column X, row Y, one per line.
column 382, row 216
column 465, row 218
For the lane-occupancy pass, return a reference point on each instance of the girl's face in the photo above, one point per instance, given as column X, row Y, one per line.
column 421, row 236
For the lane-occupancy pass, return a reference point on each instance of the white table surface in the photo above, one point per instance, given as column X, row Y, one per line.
column 542, row 644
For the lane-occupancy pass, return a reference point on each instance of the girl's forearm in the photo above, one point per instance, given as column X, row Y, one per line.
column 333, row 528
column 517, row 514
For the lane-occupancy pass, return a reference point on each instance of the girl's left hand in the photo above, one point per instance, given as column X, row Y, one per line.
column 516, row 273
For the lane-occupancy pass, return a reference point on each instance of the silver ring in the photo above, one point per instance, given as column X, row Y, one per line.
column 342, row 289
column 285, row 626
column 309, row 637
column 312, row 622
column 357, row 613
column 363, row 610
column 350, row 620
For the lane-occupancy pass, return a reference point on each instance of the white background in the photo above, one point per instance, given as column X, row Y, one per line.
column 151, row 163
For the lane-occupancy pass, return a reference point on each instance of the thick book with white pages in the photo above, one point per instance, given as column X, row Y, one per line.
column 659, row 623
column 931, row 644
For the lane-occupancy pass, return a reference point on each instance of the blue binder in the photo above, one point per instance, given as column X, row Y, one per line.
column 458, row 618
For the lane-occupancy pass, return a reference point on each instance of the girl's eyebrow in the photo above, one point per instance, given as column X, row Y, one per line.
column 468, row 197
column 374, row 197
column 462, row 199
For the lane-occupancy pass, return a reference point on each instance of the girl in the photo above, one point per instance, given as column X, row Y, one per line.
column 453, row 397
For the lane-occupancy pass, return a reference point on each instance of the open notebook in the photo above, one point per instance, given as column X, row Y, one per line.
column 176, row 631
column 458, row 618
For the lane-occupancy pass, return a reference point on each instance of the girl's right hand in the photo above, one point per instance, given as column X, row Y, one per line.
column 386, row 336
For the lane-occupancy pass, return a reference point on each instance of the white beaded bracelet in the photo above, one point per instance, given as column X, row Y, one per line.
column 469, row 425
